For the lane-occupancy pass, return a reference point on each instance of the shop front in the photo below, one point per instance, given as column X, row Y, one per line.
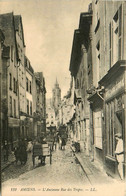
column 13, row 133
column 96, row 126
column 28, row 132
column 115, row 116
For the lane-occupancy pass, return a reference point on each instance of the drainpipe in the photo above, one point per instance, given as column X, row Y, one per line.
column 7, row 64
column 92, row 132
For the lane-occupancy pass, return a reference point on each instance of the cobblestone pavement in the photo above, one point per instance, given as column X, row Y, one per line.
column 64, row 169
column 64, row 175
column 15, row 170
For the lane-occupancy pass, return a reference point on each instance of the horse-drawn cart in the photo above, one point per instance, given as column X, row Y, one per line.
column 41, row 151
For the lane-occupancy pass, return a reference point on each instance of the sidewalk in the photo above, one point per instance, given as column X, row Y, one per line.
column 5, row 164
column 93, row 170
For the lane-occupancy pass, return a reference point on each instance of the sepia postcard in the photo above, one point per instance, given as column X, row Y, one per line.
column 63, row 97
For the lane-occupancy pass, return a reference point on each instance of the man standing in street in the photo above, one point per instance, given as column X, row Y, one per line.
column 119, row 152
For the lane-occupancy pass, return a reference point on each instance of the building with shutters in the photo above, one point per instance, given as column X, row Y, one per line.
column 29, row 133
column 21, row 73
column 81, row 71
column 98, row 66
column 110, row 58
column 10, row 93
column 39, row 105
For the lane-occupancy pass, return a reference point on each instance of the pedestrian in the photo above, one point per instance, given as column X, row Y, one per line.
column 43, row 157
column 60, row 143
column 55, row 142
column 119, row 152
column 30, row 146
column 22, row 151
column 17, row 153
column 63, row 144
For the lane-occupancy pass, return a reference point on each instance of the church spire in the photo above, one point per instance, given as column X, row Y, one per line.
column 56, row 84
column 56, row 81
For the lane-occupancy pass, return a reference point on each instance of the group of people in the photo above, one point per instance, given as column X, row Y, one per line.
column 23, row 147
column 58, row 143
column 62, row 143
column 20, row 151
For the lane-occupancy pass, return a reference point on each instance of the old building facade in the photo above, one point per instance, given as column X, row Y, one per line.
column 80, row 68
column 16, row 86
column 29, row 99
column 39, row 105
column 21, row 73
column 4, row 59
column 98, row 69
column 107, row 98
column 11, row 81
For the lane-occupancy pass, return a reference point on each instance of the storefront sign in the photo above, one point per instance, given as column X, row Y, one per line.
column 115, row 88
column 13, row 122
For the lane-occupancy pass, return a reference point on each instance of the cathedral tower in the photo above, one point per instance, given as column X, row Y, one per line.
column 56, row 96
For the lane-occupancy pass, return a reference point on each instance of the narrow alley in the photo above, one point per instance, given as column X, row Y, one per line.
column 63, row 170
column 64, row 174
column 63, row 97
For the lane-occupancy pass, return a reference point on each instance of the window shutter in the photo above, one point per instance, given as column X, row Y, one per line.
column 120, row 32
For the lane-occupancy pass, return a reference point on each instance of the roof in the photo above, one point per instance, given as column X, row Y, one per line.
column 28, row 65
column 80, row 37
column 75, row 54
column 17, row 21
column 7, row 26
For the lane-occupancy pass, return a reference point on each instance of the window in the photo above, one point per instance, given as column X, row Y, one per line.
column 115, row 38
column 27, row 106
column 14, row 108
column 120, row 33
column 12, row 53
column 98, row 24
column 30, row 87
column 22, row 75
column 10, row 106
column 98, row 129
column 10, row 81
column 77, row 83
column 98, row 59
column 30, row 108
column 21, row 52
column 14, row 85
column 26, row 84
column 110, row 43
column 110, row 117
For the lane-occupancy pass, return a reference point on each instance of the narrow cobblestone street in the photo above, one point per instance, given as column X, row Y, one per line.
column 64, row 169
column 63, row 97
column 63, row 176
column 15, row 170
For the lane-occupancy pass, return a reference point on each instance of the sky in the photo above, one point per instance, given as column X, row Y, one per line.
column 48, row 32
